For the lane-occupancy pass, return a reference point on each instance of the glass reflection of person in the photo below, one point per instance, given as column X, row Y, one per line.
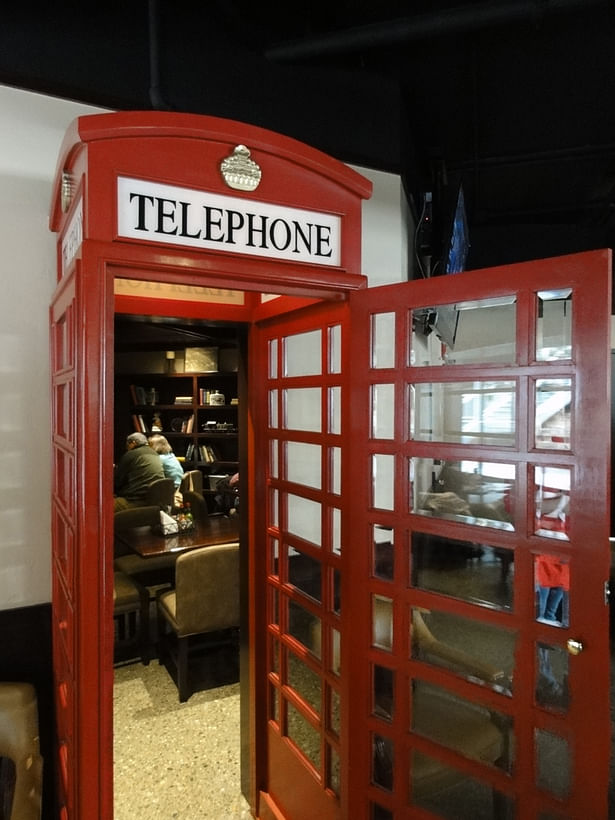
column 553, row 584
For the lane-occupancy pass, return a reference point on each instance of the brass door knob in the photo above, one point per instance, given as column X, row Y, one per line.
column 574, row 647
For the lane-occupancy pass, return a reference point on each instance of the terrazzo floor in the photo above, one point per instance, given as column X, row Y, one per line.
column 172, row 760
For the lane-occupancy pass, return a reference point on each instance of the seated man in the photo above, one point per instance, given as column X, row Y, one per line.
column 135, row 471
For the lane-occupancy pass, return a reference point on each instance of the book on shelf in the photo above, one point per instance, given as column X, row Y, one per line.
column 142, row 424
column 182, row 400
column 190, row 424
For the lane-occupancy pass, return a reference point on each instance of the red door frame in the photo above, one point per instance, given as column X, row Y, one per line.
column 185, row 151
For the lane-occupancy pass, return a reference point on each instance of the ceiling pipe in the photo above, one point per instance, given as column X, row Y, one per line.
column 155, row 95
column 455, row 20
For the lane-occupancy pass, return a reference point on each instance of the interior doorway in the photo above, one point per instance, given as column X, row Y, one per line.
column 202, row 735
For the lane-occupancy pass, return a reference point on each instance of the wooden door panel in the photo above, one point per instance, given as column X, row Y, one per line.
column 300, row 535
column 480, row 468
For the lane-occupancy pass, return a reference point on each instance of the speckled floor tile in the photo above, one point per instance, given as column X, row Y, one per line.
column 175, row 761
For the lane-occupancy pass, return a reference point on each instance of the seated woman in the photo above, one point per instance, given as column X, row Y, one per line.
column 170, row 463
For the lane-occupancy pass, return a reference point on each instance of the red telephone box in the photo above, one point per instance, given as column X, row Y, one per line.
column 384, row 465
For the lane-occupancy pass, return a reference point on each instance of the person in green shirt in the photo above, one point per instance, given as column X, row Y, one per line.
column 135, row 471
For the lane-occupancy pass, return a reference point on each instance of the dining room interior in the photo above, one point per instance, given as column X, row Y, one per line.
column 166, row 741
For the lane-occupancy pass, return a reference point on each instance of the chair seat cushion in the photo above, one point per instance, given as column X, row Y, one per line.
column 125, row 592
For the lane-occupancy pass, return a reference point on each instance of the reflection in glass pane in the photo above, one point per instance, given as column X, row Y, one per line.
column 302, row 354
column 383, row 481
column 552, row 424
column 333, row 781
column 479, row 652
column 304, row 681
column 335, row 410
column 336, row 530
column 273, row 508
column 274, row 704
column 380, row 813
column 464, row 333
column 383, row 411
column 273, row 556
column 273, row 359
column 454, row 795
column 477, row 492
column 552, row 501
column 552, row 677
column 463, row 569
column 302, row 409
column 383, row 340
column 464, row 412
column 335, row 349
column 304, row 573
column 382, row 762
column 305, row 627
column 336, row 470
column 335, row 652
column 382, row 622
column 273, row 408
column 554, row 325
column 383, row 556
column 303, row 463
column 303, row 518
column 480, row 733
column 552, row 584
column 337, row 592
column 553, row 763
column 275, row 656
column 273, row 458
column 383, row 692
column 305, row 737
column 334, row 711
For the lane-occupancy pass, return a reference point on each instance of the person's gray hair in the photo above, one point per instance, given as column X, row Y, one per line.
column 136, row 438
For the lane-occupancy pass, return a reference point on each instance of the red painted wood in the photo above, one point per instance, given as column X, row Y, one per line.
column 184, row 150
column 586, row 726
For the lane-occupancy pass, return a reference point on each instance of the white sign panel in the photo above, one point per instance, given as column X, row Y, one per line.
column 155, row 212
column 73, row 237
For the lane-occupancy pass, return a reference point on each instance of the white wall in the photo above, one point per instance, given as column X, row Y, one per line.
column 32, row 127
column 31, row 130
column 386, row 230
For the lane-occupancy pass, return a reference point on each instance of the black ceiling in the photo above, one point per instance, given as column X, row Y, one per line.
column 513, row 99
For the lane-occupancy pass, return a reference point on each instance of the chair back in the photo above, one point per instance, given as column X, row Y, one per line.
column 198, row 505
column 207, row 589
column 161, row 493
column 136, row 517
column 192, row 481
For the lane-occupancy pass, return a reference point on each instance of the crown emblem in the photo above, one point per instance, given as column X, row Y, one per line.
column 239, row 171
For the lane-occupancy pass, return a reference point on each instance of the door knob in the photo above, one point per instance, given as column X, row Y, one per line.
column 574, row 647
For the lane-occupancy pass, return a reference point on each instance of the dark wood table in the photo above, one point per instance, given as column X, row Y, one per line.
column 217, row 529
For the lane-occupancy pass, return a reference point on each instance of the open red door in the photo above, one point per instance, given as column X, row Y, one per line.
column 480, row 494
column 298, row 366
column 82, row 674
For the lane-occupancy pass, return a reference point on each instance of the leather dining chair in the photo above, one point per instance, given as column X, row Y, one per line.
column 125, row 560
column 136, row 580
column 198, row 505
column 131, row 619
column 161, row 493
column 205, row 601
column 192, row 481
